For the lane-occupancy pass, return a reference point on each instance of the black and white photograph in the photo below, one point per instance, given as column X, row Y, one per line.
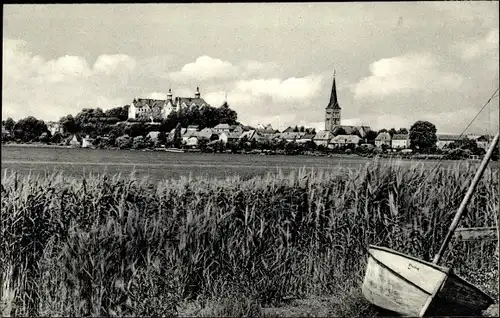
column 253, row 159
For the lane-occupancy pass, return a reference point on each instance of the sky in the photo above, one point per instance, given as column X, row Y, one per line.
column 395, row 62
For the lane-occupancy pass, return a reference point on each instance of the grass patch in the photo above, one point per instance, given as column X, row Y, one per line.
column 118, row 246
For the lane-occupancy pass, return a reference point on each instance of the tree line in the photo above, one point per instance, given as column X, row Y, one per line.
column 125, row 133
column 115, row 123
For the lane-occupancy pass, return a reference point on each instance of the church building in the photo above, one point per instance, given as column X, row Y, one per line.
column 332, row 114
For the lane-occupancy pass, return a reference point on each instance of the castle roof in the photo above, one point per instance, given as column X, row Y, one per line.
column 190, row 101
column 149, row 102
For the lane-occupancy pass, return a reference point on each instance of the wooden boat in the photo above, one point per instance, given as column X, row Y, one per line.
column 405, row 285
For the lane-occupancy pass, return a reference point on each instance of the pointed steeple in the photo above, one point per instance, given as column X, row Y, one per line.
column 333, row 104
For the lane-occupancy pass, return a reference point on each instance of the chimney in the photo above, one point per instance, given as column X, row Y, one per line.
column 197, row 94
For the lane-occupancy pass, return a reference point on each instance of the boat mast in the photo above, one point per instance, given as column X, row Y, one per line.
column 466, row 199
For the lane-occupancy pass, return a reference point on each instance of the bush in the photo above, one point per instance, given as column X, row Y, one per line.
column 124, row 142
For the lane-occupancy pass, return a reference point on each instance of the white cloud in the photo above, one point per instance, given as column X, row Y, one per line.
column 155, row 95
column 107, row 64
column 405, row 74
column 487, row 45
column 253, row 67
column 51, row 89
column 205, row 68
column 17, row 61
column 282, row 90
column 64, row 68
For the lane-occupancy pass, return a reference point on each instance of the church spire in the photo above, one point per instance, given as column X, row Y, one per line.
column 333, row 96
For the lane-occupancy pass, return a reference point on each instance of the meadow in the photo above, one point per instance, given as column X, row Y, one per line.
column 108, row 245
column 158, row 166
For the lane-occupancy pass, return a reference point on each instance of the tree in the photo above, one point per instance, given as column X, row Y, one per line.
column 227, row 115
column 120, row 113
column 495, row 154
column 138, row 142
column 56, row 138
column 88, row 115
column 302, row 129
column 9, row 124
column 392, row 132
column 118, row 130
column 296, row 129
column 124, row 142
column 135, row 130
column 310, row 145
column 177, row 136
column 291, row 148
column 202, row 144
column 383, row 130
column 29, row 129
column 423, row 135
column 370, row 136
column 403, row 131
column 161, row 139
column 45, row 137
column 69, row 125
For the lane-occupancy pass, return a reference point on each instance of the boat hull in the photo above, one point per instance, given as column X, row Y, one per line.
column 412, row 287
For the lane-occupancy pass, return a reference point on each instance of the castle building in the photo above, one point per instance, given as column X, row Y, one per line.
column 332, row 111
column 146, row 108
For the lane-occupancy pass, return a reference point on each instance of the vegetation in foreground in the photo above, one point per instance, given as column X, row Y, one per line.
column 117, row 246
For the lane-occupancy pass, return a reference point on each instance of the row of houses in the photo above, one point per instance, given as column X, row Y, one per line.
column 402, row 141
column 397, row 141
column 227, row 133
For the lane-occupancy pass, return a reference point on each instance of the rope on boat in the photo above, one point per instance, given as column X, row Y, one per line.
column 463, row 132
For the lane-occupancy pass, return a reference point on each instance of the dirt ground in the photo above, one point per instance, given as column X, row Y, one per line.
column 313, row 307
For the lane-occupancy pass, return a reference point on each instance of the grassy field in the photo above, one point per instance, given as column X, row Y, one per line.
column 158, row 166
column 203, row 246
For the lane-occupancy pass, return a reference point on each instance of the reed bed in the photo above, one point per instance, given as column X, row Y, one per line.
column 115, row 245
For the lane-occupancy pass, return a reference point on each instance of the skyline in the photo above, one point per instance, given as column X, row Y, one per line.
column 395, row 63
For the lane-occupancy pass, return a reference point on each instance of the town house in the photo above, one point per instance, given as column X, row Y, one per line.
column 341, row 141
column 384, row 138
column 400, row 141
column 322, row 138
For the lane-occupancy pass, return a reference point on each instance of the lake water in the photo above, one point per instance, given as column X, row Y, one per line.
column 158, row 165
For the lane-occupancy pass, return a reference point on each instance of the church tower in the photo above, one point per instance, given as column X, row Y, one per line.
column 332, row 114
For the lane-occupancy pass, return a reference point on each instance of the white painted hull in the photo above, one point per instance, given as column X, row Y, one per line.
column 412, row 287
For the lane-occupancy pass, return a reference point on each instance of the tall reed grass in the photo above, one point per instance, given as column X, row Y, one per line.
column 118, row 246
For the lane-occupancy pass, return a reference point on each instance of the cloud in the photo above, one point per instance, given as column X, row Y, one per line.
column 282, row 90
column 156, row 95
column 487, row 45
column 253, row 67
column 33, row 86
column 405, row 74
column 205, row 68
column 64, row 68
column 108, row 64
